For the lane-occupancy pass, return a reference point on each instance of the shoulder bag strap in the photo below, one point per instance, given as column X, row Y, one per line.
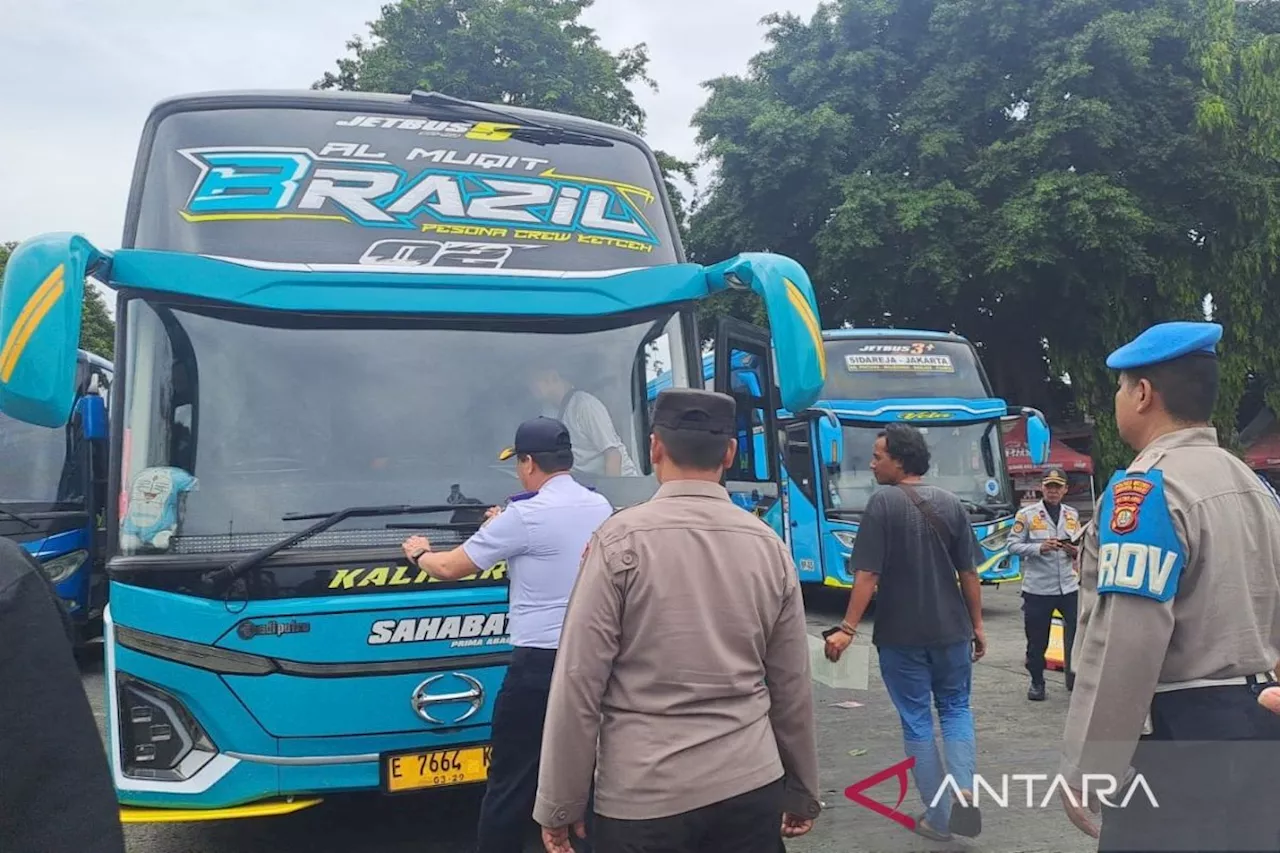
column 939, row 527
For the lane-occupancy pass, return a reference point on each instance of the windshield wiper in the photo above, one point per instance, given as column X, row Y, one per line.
column 326, row 520
column 21, row 518
column 845, row 513
column 526, row 130
column 984, row 509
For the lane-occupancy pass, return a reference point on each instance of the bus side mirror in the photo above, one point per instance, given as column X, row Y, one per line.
column 1037, row 437
column 40, row 313
column 93, row 417
column 830, row 442
column 793, row 319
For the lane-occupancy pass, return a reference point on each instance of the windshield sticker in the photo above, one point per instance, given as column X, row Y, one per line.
column 271, row 184
column 916, row 348
column 993, row 488
column 898, row 363
column 155, row 509
column 484, row 131
column 442, row 254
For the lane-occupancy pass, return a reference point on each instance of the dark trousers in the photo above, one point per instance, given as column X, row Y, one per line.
column 1211, row 765
column 506, row 814
column 1037, row 618
column 748, row 823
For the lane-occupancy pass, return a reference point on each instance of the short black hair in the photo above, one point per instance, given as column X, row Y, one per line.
column 1188, row 386
column 550, row 462
column 693, row 449
column 906, row 444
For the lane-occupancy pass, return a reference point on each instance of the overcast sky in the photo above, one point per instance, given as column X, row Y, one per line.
column 77, row 78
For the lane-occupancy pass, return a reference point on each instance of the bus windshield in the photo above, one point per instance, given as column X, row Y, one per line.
column 276, row 413
column 965, row 459
column 34, row 470
column 882, row 368
column 329, row 187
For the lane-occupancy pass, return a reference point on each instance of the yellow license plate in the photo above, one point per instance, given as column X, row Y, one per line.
column 412, row 771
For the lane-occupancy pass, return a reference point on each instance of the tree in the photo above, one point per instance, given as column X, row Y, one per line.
column 97, row 329
column 526, row 53
column 1045, row 178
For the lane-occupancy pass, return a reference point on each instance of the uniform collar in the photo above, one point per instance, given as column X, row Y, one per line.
column 1189, row 437
column 691, row 489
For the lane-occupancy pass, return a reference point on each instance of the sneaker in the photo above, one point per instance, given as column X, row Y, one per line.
column 1036, row 693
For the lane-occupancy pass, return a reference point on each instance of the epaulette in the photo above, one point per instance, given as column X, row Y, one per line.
column 522, row 496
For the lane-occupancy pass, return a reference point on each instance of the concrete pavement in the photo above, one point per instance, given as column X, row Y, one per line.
column 1014, row 736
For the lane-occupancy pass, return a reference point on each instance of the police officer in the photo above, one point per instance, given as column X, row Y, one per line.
column 1180, row 622
column 542, row 535
column 685, row 666
column 1042, row 536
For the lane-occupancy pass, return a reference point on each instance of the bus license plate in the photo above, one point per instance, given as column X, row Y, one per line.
column 412, row 771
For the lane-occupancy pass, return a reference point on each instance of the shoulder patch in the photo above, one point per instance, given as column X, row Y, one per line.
column 1127, row 496
column 1139, row 552
column 1019, row 525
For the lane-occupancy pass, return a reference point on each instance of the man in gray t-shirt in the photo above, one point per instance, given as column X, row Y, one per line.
column 597, row 447
column 916, row 549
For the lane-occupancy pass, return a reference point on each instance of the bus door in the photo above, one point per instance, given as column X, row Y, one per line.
column 744, row 371
column 802, row 497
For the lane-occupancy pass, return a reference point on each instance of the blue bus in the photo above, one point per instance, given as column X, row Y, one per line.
column 333, row 310
column 53, row 491
column 932, row 380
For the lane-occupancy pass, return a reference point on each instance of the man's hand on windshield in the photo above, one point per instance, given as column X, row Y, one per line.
column 414, row 546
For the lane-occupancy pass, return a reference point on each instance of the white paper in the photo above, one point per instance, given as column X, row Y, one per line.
column 853, row 672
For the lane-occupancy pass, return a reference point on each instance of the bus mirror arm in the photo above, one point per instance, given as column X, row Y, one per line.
column 784, row 287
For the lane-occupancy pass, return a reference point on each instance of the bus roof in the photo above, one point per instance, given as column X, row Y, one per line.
column 375, row 102
column 854, row 334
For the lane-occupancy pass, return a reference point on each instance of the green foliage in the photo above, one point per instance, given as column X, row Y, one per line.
column 97, row 329
column 528, row 53
column 1046, row 178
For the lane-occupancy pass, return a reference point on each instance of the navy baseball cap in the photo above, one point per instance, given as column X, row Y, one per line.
column 539, row 435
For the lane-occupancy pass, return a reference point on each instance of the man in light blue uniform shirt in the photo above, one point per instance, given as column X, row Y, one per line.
column 542, row 534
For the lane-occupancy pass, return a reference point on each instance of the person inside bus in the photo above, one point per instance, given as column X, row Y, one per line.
column 597, row 447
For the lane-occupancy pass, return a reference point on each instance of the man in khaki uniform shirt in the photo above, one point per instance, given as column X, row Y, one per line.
column 684, row 653
column 1180, row 622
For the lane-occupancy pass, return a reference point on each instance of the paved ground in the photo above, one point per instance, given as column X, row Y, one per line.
column 1014, row 736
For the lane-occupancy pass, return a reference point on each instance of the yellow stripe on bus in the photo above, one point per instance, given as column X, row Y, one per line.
column 270, row 808
column 30, row 318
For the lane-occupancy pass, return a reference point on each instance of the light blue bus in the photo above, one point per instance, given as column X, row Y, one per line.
column 932, row 380
column 53, row 494
column 330, row 309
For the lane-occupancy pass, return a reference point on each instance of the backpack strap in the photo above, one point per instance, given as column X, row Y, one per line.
column 939, row 527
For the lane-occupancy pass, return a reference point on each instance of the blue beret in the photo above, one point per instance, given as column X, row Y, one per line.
column 1164, row 342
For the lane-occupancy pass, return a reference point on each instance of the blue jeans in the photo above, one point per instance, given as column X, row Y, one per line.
column 914, row 675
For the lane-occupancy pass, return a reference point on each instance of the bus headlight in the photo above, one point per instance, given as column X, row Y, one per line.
column 159, row 739
column 845, row 537
column 996, row 540
column 60, row 568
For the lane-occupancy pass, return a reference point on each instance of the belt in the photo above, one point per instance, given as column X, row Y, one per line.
column 1237, row 681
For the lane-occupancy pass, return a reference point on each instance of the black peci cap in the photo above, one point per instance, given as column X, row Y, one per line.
column 539, row 435
column 692, row 410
